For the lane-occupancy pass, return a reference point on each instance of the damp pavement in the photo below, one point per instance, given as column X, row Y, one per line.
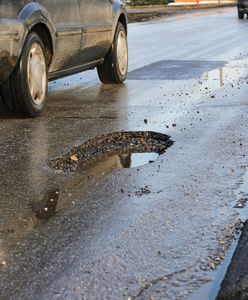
column 156, row 230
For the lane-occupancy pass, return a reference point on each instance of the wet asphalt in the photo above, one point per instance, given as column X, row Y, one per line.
column 149, row 232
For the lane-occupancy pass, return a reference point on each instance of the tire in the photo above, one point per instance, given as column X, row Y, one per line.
column 240, row 14
column 25, row 91
column 115, row 65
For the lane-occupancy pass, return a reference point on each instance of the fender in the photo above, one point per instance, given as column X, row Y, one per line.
column 118, row 11
column 33, row 14
column 15, row 31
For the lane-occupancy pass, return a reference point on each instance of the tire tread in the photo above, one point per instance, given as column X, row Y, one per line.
column 14, row 93
column 108, row 72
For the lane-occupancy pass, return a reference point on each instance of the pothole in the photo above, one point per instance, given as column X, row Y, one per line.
column 121, row 149
column 94, row 159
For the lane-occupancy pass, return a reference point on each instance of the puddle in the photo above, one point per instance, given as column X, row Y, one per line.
column 62, row 197
column 90, row 162
column 128, row 149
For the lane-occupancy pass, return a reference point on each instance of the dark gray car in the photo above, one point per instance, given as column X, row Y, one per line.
column 242, row 6
column 48, row 39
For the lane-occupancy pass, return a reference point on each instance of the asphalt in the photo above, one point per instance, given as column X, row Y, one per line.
column 150, row 232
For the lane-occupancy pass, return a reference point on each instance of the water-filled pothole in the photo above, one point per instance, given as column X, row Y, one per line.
column 120, row 149
column 93, row 160
column 122, row 160
column 62, row 196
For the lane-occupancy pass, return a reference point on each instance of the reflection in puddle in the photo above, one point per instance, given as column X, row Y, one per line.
column 124, row 161
column 63, row 197
column 90, row 162
column 47, row 207
column 141, row 159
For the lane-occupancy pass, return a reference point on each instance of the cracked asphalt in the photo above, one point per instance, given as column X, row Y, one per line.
column 150, row 232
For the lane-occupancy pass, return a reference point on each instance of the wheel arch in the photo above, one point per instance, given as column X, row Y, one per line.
column 123, row 20
column 42, row 30
column 36, row 18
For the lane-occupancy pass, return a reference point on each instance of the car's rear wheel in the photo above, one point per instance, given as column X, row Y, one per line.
column 25, row 91
column 240, row 14
column 114, row 68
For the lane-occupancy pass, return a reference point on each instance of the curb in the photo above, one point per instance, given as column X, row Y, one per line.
column 146, row 13
column 235, row 284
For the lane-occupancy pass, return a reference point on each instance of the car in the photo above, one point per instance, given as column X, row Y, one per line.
column 242, row 6
column 45, row 40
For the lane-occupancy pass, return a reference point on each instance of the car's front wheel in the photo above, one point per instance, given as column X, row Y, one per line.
column 240, row 14
column 114, row 68
column 25, row 91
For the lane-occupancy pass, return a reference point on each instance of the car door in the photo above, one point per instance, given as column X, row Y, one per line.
column 66, row 18
column 95, row 16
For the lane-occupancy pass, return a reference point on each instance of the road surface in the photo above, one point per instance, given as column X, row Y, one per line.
column 149, row 232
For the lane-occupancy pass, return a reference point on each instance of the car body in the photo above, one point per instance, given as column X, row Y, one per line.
column 242, row 6
column 48, row 39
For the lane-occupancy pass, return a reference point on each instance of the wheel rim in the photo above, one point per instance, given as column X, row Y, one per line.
column 37, row 75
column 122, row 52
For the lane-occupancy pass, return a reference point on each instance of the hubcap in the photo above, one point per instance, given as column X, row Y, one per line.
column 122, row 52
column 37, row 76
